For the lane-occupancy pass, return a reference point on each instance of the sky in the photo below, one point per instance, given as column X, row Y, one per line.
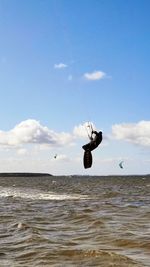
column 64, row 64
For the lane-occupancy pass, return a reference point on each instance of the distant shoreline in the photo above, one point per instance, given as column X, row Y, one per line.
column 37, row 174
column 23, row 174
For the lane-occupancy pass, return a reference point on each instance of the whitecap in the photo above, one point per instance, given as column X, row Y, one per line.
column 33, row 194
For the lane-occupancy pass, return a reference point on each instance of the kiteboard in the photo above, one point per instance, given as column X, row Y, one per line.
column 87, row 159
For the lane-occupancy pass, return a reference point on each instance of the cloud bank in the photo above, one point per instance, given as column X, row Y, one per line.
column 32, row 132
column 136, row 133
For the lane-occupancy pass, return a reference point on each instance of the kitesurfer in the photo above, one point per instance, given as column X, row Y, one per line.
column 120, row 165
column 95, row 141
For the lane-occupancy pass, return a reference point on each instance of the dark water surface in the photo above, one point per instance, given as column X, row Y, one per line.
column 74, row 221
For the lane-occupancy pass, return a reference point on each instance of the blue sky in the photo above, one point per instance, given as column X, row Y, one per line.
column 64, row 63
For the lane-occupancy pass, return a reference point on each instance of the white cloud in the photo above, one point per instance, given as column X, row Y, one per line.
column 96, row 75
column 83, row 130
column 136, row 133
column 32, row 132
column 60, row 66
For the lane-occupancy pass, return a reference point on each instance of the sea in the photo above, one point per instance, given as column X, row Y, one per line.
column 67, row 221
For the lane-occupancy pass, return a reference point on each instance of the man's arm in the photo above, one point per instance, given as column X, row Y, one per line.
column 91, row 138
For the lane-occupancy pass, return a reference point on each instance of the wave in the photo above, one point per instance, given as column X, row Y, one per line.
column 77, row 257
column 37, row 194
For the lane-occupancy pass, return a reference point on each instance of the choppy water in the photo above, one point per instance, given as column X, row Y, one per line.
column 74, row 221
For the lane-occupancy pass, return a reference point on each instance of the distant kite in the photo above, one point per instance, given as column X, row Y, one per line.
column 120, row 165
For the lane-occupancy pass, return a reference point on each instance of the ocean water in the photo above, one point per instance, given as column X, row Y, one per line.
column 75, row 221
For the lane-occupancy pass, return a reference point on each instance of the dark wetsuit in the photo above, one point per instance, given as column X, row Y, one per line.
column 94, row 141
